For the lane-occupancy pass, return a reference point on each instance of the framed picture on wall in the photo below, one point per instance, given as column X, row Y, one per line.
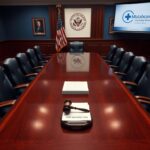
column 38, row 26
column 111, row 25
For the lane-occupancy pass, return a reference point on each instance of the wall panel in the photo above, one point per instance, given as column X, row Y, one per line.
column 11, row 48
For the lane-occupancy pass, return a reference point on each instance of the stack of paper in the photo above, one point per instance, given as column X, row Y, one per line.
column 75, row 87
column 78, row 115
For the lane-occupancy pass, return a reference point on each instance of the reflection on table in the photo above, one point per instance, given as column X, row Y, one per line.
column 119, row 122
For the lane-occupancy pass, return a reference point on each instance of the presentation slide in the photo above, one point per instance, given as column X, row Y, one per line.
column 132, row 17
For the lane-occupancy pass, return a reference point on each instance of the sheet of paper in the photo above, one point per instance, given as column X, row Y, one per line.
column 77, row 115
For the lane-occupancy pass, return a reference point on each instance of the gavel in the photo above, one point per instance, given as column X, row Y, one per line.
column 67, row 107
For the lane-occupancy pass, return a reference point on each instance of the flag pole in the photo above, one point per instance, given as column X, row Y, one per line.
column 61, row 40
column 58, row 6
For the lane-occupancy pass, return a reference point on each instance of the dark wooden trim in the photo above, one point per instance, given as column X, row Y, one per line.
column 53, row 20
column 97, row 22
column 11, row 48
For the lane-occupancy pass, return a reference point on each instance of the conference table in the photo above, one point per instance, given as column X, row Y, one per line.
column 33, row 123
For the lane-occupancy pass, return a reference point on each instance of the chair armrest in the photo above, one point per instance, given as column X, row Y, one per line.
column 142, row 97
column 144, row 101
column 129, row 83
column 31, row 74
column 38, row 67
column 120, row 73
column 7, row 103
column 21, row 86
column 113, row 66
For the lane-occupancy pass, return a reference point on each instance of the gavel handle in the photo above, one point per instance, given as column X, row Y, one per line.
column 82, row 109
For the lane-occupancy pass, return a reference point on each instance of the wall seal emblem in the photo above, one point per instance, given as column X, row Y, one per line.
column 78, row 21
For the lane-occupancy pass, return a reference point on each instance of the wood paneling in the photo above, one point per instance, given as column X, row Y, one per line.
column 96, row 21
column 139, row 47
column 53, row 20
column 11, row 48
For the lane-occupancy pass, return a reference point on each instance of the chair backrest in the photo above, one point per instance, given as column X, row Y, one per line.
column 111, row 52
column 118, row 56
column 32, row 57
column 38, row 52
column 6, row 89
column 14, row 72
column 143, row 87
column 24, row 63
column 136, row 69
column 76, row 46
column 125, row 62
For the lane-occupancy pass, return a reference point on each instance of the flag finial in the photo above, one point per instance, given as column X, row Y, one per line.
column 58, row 5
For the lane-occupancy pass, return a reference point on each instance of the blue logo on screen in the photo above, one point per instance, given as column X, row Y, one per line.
column 128, row 16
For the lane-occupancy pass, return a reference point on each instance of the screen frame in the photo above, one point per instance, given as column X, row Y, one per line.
column 124, row 31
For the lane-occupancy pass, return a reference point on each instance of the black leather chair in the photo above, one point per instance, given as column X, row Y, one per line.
column 76, row 47
column 33, row 59
column 14, row 73
column 25, row 65
column 141, row 90
column 125, row 62
column 39, row 55
column 8, row 94
column 45, row 56
column 108, row 58
column 117, row 58
column 135, row 71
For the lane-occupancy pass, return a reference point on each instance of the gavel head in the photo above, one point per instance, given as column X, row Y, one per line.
column 66, row 108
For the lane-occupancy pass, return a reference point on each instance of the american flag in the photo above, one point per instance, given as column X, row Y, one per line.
column 61, row 40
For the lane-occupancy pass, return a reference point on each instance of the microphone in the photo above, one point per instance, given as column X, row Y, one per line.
column 67, row 107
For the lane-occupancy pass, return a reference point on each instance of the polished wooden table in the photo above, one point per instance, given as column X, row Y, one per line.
column 119, row 122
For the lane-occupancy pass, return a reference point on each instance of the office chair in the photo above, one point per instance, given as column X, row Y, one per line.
column 108, row 58
column 125, row 63
column 141, row 90
column 15, row 74
column 25, row 65
column 39, row 55
column 39, row 52
column 117, row 58
column 8, row 94
column 76, row 47
column 135, row 71
column 33, row 59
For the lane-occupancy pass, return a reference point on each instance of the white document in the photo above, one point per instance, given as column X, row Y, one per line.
column 75, row 87
column 78, row 115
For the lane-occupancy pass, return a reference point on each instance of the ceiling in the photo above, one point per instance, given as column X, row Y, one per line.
column 66, row 2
